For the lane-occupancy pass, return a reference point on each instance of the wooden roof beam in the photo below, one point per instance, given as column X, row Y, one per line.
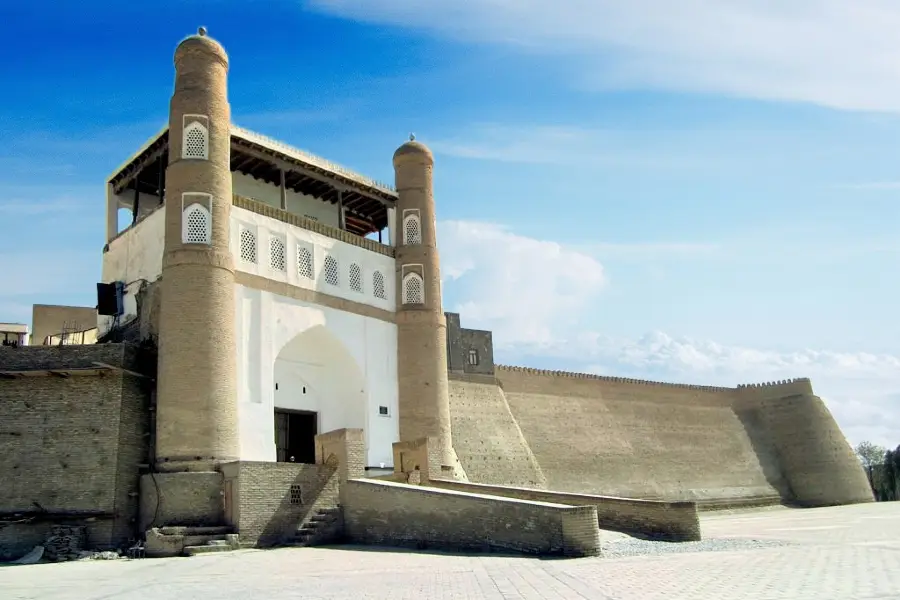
column 291, row 166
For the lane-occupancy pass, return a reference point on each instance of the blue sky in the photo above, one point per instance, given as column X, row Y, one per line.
column 706, row 195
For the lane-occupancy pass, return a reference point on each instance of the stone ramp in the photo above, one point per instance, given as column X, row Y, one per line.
column 487, row 438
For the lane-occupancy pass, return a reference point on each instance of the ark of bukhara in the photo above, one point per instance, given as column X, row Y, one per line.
column 273, row 366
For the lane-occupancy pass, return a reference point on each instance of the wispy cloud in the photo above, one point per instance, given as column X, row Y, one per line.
column 563, row 145
column 831, row 52
column 871, row 185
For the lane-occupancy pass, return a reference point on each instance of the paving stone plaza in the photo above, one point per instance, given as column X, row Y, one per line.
column 848, row 552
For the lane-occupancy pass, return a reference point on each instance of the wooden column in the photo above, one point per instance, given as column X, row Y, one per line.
column 161, row 183
column 283, row 191
column 136, row 205
column 342, row 224
column 112, row 214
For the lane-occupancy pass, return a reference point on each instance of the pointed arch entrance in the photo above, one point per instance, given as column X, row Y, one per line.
column 319, row 387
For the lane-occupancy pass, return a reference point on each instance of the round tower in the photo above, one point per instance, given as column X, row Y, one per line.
column 196, row 425
column 424, row 401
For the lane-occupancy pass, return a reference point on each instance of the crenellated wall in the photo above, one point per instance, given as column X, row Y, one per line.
column 643, row 439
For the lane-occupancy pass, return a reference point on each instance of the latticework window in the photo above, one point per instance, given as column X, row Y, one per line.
column 356, row 283
column 413, row 289
column 277, row 258
column 412, row 230
column 248, row 246
column 305, row 263
column 378, row 285
column 332, row 275
column 196, row 227
column 195, row 143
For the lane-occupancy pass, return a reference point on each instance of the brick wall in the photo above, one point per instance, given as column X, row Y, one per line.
column 72, row 443
column 674, row 521
column 617, row 437
column 262, row 509
column 818, row 462
column 394, row 514
column 487, row 438
column 346, row 448
column 421, row 457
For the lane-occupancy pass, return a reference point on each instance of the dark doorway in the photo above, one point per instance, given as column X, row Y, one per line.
column 295, row 434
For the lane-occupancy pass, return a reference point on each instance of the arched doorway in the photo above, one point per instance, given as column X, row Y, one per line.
column 318, row 388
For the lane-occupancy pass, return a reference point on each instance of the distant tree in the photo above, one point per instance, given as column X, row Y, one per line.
column 872, row 456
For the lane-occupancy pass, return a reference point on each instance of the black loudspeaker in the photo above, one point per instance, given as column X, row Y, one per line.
column 109, row 298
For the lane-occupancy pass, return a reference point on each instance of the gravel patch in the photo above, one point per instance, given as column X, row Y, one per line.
column 620, row 548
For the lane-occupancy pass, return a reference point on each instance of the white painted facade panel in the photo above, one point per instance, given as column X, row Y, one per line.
column 300, row 356
column 133, row 257
column 257, row 239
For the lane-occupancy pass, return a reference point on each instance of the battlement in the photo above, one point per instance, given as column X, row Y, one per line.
column 800, row 380
column 608, row 378
column 796, row 385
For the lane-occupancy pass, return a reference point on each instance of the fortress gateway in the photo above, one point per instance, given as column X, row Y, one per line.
column 268, row 373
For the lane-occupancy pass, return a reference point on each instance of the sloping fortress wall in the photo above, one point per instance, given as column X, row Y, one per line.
column 622, row 437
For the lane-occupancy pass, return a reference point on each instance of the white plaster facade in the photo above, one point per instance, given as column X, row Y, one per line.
column 341, row 365
column 134, row 256
column 338, row 364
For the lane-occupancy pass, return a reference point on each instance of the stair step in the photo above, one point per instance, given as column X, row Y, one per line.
column 195, row 530
column 208, row 549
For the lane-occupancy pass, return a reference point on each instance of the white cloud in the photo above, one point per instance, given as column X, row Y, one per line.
column 536, row 297
column 524, row 287
column 831, row 52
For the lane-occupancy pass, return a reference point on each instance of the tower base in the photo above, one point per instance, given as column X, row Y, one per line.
column 186, row 499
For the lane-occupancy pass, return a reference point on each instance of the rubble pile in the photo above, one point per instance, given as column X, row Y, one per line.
column 66, row 542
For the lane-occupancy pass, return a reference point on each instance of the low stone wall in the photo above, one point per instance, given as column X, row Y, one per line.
column 395, row 514
column 674, row 521
column 267, row 501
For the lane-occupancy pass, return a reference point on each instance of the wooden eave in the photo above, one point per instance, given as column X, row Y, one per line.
column 365, row 203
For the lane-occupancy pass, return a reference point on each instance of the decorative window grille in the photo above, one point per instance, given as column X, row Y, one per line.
column 195, row 141
column 248, row 246
column 378, row 285
column 277, row 259
column 305, row 263
column 296, row 494
column 356, row 283
column 413, row 289
column 412, row 230
column 473, row 357
column 332, row 276
column 196, row 225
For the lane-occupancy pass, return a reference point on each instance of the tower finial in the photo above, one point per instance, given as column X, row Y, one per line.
column 412, row 137
column 201, row 31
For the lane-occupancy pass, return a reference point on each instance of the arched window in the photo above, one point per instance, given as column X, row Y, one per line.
column 378, row 285
column 305, row 263
column 248, row 246
column 332, row 275
column 413, row 289
column 196, row 225
column 277, row 251
column 412, row 230
column 195, row 141
column 356, row 283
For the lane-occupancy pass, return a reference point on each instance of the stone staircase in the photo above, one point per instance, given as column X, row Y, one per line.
column 189, row 541
column 325, row 526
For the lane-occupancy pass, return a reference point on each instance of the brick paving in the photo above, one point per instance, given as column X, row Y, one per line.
column 842, row 553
